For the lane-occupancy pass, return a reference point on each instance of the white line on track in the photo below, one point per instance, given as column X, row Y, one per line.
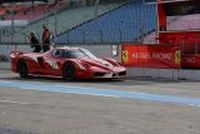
column 13, row 102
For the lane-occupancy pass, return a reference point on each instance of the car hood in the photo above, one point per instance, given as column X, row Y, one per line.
column 98, row 62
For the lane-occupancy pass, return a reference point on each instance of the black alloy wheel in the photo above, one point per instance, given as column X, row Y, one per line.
column 69, row 72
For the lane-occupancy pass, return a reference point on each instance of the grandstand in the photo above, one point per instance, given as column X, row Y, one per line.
column 122, row 24
column 63, row 20
column 30, row 13
column 34, row 12
column 89, row 27
column 18, row 10
column 108, row 21
column 98, row 22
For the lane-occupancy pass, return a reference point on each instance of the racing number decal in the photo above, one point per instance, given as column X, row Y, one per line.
column 53, row 64
column 124, row 56
column 178, row 57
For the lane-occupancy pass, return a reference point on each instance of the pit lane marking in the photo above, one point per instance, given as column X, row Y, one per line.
column 134, row 95
column 13, row 102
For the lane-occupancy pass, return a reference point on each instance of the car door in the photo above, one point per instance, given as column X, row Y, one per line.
column 55, row 62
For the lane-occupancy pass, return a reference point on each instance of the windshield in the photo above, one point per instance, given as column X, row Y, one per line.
column 88, row 53
column 79, row 53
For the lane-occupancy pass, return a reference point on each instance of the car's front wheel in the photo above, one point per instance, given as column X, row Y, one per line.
column 69, row 72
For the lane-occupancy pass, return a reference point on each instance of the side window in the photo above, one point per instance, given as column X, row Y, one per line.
column 58, row 53
column 70, row 54
column 67, row 54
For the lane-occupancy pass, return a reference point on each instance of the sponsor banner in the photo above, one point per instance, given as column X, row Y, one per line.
column 153, row 56
column 191, row 61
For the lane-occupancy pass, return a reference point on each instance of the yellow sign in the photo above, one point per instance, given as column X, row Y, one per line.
column 178, row 57
column 124, row 56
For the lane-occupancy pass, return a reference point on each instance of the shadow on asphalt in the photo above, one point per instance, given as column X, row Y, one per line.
column 50, row 79
column 134, row 81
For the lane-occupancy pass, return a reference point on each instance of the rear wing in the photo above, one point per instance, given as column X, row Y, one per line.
column 15, row 54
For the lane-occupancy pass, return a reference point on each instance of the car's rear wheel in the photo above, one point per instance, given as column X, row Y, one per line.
column 69, row 72
column 23, row 69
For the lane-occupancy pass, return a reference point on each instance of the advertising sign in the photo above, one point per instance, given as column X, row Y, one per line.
column 191, row 61
column 152, row 56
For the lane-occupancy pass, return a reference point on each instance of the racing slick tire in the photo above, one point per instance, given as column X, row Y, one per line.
column 69, row 72
column 23, row 69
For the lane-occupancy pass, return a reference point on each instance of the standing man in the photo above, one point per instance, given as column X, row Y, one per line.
column 46, row 38
column 34, row 42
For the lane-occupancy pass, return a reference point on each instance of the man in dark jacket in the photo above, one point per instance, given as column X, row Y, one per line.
column 34, row 42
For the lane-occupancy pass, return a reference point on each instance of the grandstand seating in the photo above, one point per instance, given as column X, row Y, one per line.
column 2, row 12
column 65, row 20
column 30, row 12
column 120, row 25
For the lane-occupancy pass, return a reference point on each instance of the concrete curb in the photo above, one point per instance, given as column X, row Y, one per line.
column 171, row 74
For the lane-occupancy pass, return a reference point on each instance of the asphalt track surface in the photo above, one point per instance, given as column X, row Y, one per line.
column 53, row 106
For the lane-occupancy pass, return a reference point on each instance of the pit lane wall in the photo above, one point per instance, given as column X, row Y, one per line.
column 158, row 61
column 168, row 74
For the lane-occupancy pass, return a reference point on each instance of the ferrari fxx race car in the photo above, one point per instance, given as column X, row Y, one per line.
column 67, row 62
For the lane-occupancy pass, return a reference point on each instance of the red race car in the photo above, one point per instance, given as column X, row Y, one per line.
column 67, row 62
